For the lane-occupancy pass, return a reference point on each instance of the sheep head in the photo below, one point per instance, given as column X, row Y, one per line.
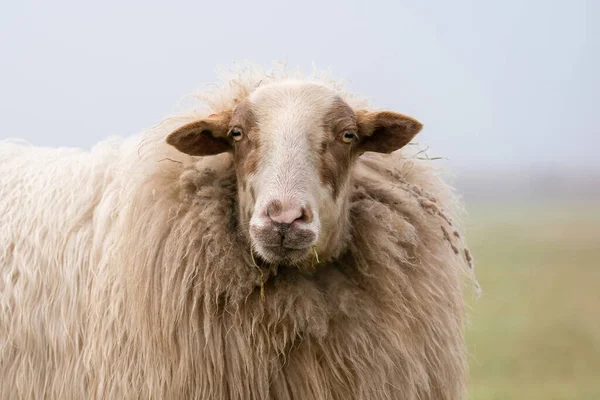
column 293, row 145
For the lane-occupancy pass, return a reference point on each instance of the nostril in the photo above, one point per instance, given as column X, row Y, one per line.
column 274, row 208
column 302, row 216
column 307, row 215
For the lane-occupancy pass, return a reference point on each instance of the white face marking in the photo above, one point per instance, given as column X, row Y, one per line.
column 289, row 117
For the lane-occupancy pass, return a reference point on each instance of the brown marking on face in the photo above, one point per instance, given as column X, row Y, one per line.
column 243, row 116
column 335, row 155
column 307, row 214
column 246, row 152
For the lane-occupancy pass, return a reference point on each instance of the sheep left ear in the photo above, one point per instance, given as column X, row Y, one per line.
column 205, row 137
column 385, row 131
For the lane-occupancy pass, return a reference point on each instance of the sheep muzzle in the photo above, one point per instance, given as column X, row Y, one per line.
column 284, row 232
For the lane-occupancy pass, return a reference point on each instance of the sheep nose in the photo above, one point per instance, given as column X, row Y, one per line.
column 283, row 216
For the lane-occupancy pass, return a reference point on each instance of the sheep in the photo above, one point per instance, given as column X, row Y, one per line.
column 270, row 245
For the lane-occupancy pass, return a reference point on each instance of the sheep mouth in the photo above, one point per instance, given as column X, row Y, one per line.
column 275, row 248
column 283, row 254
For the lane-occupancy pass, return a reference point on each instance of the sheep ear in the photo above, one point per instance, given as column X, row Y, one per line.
column 385, row 131
column 205, row 137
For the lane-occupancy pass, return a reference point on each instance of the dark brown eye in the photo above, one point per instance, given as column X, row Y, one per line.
column 348, row 136
column 236, row 133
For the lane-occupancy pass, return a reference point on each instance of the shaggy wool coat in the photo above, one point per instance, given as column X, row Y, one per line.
column 124, row 275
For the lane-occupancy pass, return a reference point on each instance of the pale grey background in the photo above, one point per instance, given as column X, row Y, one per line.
column 499, row 85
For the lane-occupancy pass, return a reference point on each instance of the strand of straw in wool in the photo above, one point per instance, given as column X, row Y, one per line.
column 262, row 276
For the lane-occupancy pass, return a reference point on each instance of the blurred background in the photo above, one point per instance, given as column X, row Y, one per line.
column 508, row 92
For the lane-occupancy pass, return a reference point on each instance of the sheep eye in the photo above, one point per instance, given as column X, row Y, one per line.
column 236, row 133
column 348, row 136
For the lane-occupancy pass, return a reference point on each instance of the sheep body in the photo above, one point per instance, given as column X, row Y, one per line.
column 122, row 275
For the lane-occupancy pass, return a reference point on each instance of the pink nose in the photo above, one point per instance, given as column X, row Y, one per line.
column 288, row 213
column 287, row 216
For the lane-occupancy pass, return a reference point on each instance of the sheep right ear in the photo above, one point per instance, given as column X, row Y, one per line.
column 205, row 137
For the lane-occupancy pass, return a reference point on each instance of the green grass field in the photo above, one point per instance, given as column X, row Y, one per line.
column 535, row 331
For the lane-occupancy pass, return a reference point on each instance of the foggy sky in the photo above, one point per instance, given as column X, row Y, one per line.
column 505, row 83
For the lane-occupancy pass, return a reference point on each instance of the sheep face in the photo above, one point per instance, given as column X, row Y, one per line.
column 293, row 145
